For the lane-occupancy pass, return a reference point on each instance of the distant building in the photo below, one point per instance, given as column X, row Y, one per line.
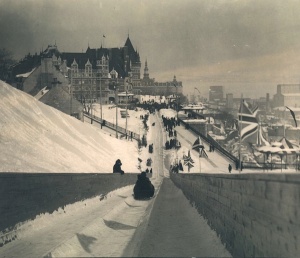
column 287, row 95
column 93, row 74
column 148, row 86
column 216, row 93
column 229, row 101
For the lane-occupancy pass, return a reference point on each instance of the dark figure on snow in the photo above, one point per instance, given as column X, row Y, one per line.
column 167, row 145
column 229, row 168
column 180, row 166
column 117, row 167
column 143, row 188
column 236, row 164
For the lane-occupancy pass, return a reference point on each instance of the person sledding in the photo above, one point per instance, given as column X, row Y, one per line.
column 117, row 167
column 143, row 188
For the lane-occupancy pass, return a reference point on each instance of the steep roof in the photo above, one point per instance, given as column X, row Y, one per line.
column 59, row 98
column 133, row 54
column 129, row 45
column 115, row 55
column 80, row 58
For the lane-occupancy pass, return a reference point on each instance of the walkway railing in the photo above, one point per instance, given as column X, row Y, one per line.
column 208, row 139
column 102, row 122
column 250, row 165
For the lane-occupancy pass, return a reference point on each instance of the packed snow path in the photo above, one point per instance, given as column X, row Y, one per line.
column 166, row 225
column 175, row 229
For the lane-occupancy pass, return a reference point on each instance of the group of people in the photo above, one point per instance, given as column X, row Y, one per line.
column 172, row 143
column 237, row 165
column 172, row 133
column 148, row 170
column 176, row 167
column 169, row 123
column 143, row 188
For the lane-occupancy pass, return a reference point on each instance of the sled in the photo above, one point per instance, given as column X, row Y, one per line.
column 143, row 199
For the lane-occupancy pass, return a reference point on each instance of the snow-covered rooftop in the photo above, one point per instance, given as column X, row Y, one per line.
column 25, row 75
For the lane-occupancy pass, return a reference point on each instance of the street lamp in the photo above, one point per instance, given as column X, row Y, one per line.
column 126, row 105
column 70, row 92
column 115, row 88
column 100, row 91
column 175, row 84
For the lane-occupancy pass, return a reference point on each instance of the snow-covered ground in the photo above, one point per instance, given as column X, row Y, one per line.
column 37, row 138
column 215, row 163
column 116, row 225
column 134, row 123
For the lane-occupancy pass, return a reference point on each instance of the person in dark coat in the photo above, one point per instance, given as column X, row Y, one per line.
column 229, row 168
column 143, row 188
column 117, row 167
column 180, row 166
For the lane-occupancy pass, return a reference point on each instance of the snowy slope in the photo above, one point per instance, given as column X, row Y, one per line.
column 37, row 138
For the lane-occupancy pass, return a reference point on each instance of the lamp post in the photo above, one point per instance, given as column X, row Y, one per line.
column 126, row 106
column 91, row 102
column 71, row 85
column 100, row 93
column 116, row 103
column 175, row 84
column 126, row 116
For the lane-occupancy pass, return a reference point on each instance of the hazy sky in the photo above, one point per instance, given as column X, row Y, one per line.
column 249, row 46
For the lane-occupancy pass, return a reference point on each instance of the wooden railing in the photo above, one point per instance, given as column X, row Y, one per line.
column 131, row 135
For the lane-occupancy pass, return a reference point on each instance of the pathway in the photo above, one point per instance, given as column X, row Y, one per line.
column 119, row 226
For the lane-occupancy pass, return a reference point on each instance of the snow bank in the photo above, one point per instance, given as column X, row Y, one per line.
column 37, row 138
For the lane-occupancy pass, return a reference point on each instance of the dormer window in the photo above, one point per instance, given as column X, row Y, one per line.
column 88, row 69
column 74, row 67
column 114, row 74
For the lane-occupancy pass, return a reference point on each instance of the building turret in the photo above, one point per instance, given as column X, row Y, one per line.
column 146, row 71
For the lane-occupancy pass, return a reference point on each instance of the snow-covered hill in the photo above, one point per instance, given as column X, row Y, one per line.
column 37, row 138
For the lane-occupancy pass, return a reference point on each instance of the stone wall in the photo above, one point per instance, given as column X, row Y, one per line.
column 254, row 214
column 25, row 195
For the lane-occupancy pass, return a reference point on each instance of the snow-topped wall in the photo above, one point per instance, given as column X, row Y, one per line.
column 256, row 215
column 23, row 196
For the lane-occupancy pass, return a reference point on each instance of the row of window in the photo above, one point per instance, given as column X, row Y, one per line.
column 89, row 96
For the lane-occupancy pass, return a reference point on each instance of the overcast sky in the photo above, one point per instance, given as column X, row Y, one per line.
column 249, row 46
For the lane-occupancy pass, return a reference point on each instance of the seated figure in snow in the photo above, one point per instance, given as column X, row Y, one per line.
column 117, row 167
column 143, row 188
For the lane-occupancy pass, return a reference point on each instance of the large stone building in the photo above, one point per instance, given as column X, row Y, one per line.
column 287, row 95
column 93, row 75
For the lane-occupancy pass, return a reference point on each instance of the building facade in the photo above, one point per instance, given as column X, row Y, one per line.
column 94, row 75
column 216, row 93
column 287, row 95
column 148, row 86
